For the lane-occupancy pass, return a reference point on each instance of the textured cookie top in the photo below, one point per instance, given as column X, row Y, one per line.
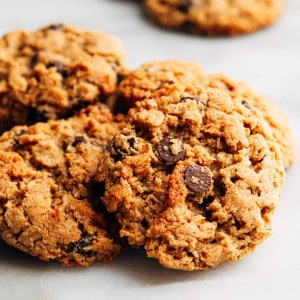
column 140, row 83
column 53, row 71
column 194, row 176
column 46, row 188
column 215, row 17
column 275, row 117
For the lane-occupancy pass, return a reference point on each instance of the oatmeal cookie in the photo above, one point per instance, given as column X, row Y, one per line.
column 46, row 188
column 214, row 17
column 140, row 83
column 55, row 71
column 195, row 177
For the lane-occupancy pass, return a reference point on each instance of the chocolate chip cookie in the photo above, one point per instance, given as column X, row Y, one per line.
column 140, row 83
column 55, row 71
column 47, row 190
column 211, row 17
column 195, row 177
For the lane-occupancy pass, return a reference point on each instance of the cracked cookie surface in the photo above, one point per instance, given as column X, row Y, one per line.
column 52, row 72
column 214, row 17
column 46, row 188
column 194, row 177
column 140, row 83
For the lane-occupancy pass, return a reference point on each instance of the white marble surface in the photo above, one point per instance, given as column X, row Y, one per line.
column 269, row 61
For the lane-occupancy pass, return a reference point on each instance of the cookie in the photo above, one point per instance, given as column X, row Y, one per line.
column 140, row 83
column 195, row 177
column 47, row 191
column 55, row 71
column 212, row 18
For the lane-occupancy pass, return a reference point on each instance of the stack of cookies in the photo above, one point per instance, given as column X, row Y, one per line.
column 96, row 158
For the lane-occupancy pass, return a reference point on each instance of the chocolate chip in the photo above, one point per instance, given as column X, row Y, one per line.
column 247, row 105
column 78, row 140
column 79, row 247
column 34, row 59
column 170, row 150
column 87, row 253
column 123, row 145
column 234, row 179
column 131, row 142
column 59, row 67
column 197, row 178
column 57, row 26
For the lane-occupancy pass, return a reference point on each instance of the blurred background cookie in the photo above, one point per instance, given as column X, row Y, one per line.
column 214, row 17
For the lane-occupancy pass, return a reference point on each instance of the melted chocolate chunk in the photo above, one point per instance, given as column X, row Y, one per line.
column 170, row 150
column 197, row 178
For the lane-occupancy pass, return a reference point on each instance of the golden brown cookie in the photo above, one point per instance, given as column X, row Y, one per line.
column 140, row 83
column 47, row 191
column 52, row 72
column 214, row 17
column 195, row 177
